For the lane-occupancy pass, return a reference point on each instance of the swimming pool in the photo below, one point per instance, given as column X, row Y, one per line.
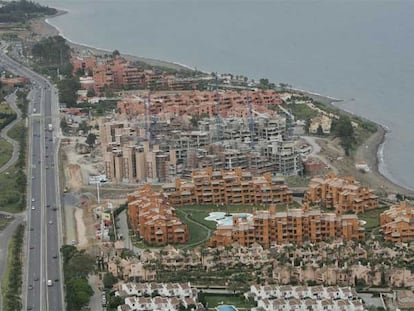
column 223, row 218
column 226, row 308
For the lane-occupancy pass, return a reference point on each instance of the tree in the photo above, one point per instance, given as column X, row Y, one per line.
column 91, row 92
column 64, row 125
column 90, row 140
column 109, row 280
column 67, row 91
column 343, row 129
column 78, row 293
column 319, row 130
column 115, row 54
column 115, row 301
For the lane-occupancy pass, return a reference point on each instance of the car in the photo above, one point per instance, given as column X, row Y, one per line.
column 55, row 209
column 47, row 205
column 30, row 286
column 31, row 229
column 54, row 256
column 32, row 247
column 49, row 283
column 50, row 222
column 36, row 279
column 33, row 177
column 33, row 199
column 33, row 207
column 56, row 280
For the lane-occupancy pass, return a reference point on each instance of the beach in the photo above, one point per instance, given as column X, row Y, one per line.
column 42, row 28
column 366, row 152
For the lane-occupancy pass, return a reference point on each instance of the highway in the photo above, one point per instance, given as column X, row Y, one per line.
column 43, row 280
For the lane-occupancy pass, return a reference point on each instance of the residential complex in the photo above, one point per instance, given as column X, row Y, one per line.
column 275, row 297
column 397, row 223
column 344, row 194
column 291, row 226
column 140, row 150
column 156, row 296
column 178, row 103
column 116, row 73
column 153, row 218
column 227, row 187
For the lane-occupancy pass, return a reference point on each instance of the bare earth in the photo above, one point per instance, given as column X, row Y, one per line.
column 367, row 152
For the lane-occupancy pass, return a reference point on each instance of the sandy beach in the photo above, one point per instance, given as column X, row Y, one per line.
column 42, row 28
column 367, row 152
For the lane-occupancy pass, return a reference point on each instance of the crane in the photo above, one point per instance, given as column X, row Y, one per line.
column 251, row 120
column 218, row 118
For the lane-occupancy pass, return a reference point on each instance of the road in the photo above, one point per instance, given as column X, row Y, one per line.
column 43, row 261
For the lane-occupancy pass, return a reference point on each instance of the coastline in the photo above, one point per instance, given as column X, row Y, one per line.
column 370, row 151
column 44, row 28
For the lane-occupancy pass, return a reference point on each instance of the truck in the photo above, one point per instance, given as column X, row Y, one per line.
column 50, row 127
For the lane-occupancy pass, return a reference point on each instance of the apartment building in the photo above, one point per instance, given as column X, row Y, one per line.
column 286, row 297
column 292, row 226
column 227, row 187
column 397, row 223
column 129, row 158
column 232, row 103
column 340, row 193
column 153, row 218
column 144, row 150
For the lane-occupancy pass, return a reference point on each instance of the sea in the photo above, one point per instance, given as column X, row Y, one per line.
column 359, row 51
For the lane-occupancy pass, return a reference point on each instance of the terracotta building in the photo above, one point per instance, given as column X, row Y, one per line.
column 228, row 187
column 397, row 223
column 153, row 218
column 232, row 103
column 341, row 193
column 292, row 226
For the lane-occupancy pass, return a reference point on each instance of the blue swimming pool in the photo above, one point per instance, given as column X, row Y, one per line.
column 226, row 308
column 226, row 219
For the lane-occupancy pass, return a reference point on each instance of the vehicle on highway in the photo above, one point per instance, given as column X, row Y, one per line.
column 33, row 199
column 50, row 222
column 33, row 207
column 49, row 283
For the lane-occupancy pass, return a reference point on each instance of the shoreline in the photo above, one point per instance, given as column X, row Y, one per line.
column 45, row 28
column 371, row 151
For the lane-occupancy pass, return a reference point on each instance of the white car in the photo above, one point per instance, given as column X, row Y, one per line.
column 49, row 283
column 50, row 222
column 33, row 199
column 33, row 207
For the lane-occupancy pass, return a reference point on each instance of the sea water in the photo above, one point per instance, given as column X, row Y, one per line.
column 359, row 51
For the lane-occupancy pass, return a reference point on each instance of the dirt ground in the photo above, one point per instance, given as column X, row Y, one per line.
column 367, row 152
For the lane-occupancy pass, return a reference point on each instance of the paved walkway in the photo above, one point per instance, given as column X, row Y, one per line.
column 11, row 100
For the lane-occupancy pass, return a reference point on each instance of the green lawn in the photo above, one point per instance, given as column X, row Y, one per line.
column 6, row 150
column 11, row 199
column 16, row 130
column 4, row 222
column 372, row 218
column 198, row 233
column 233, row 300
